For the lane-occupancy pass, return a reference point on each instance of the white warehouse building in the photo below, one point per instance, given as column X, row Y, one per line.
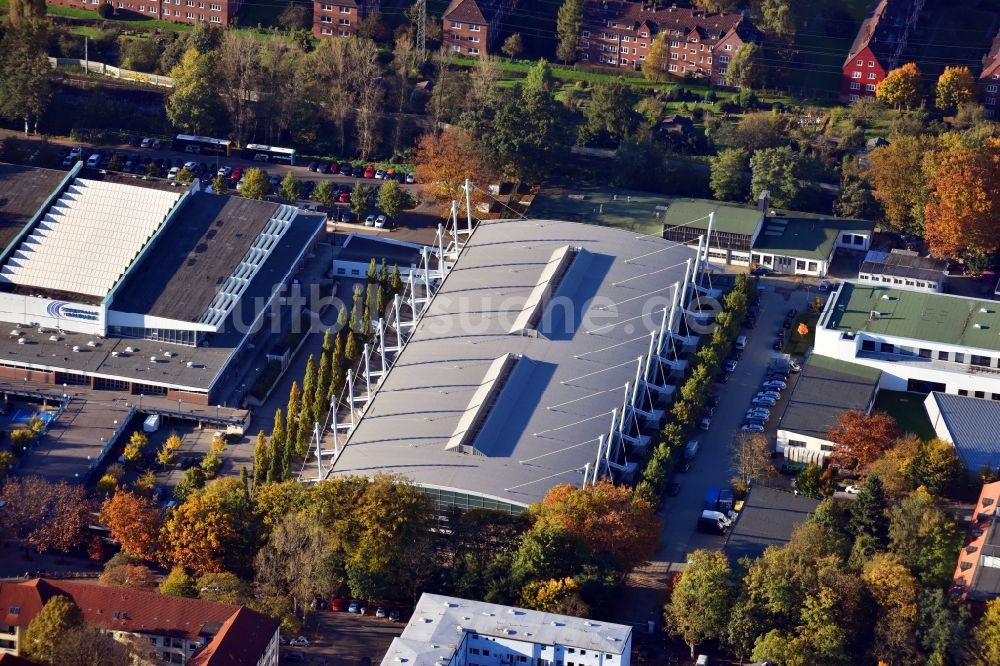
column 446, row 631
column 921, row 341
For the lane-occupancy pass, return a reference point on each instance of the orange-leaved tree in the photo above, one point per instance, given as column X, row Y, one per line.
column 134, row 522
column 859, row 439
column 898, row 183
column 605, row 517
column 955, row 86
column 445, row 160
column 964, row 208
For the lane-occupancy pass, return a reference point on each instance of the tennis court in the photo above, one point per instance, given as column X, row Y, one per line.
column 25, row 414
column 640, row 212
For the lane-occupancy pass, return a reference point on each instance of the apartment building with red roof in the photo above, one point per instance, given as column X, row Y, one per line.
column 472, row 27
column 989, row 79
column 216, row 12
column 977, row 573
column 878, row 46
column 619, row 34
column 341, row 18
column 177, row 629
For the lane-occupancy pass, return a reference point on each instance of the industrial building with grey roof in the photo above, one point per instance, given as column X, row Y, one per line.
column 970, row 424
column 513, row 372
column 137, row 284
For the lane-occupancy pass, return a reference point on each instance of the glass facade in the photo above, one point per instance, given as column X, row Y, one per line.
column 445, row 500
column 178, row 337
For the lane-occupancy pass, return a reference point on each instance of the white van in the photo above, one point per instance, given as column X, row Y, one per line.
column 741, row 342
column 94, row 160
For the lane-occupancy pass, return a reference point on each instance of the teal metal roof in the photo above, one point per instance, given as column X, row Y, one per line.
column 729, row 218
column 806, row 237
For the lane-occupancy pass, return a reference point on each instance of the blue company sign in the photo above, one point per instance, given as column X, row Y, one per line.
column 60, row 309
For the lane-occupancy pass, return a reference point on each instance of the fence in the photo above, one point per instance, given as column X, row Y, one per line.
column 95, row 67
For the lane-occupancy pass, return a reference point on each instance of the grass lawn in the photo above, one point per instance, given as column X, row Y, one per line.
column 122, row 21
column 798, row 344
column 908, row 410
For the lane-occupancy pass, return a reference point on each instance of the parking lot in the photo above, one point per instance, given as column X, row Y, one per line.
column 343, row 639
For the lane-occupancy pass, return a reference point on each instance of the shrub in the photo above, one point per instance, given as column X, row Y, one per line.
column 106, row 10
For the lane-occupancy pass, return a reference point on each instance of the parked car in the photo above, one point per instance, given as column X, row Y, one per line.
column 752, row 427
column 332, row 167
column 394, row 615
column 380, row 612
column 774, row 384
column 236, row 174
column 172, row 173
column 94, row 160
column 760, row 270
column 853, row 490
column 346, row 168
column 763, row 402
column 380, row 174
column 369, row 171
column 370, row 221
column 344, row 197
column 794, row 367
column 774, row 395
column 338, row 604
column 380, row 222
column 300, row 641
column 313, row 166
column 731, row 365
column 358, row 172
column 354, row 607
column 345, row 216
column 410, row 178
column 705, row 423
column 75, row 152
column 224, row 171
column 762, row 413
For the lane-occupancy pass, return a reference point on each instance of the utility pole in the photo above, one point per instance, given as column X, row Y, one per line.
column 421, row 31
column 86, row 56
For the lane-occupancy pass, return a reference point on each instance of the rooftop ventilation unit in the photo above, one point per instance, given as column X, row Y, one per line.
column 91, row 343
column 22, row 341
column 154, row 359
column 130, row 350
column 115, row 354
column 548, row 284
column 76, row 348
column 873, row 315
column 54, row 338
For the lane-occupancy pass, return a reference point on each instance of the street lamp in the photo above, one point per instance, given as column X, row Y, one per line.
column 140, row 402
column 217, row 408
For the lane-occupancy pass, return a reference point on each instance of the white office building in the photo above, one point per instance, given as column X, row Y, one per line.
column 446, row 631
column 920, row 341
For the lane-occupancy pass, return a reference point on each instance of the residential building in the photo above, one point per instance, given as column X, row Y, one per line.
column 903, row 269
column 977, row 574
column 446, row 631
column 519, row 361
column 619, row 34
column 878, row 46
column 472, row 27
column 825, row 389
column 216, row 12
column 989, row 79
column 176, row 630
column 792, row 243
column 920, row 341
column 341, row 18
column 166, row 305
column 970, row 424
column 768, row 518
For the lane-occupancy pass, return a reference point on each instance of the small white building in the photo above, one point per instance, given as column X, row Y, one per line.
column 903, row 269
column 921, row 341
column 446, row 631
column 825, row 389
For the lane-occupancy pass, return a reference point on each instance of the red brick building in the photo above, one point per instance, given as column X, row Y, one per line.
column 174, row 629
column 989, row 79
column 878, row 46
column 619, row 34
column 216, row 12
column 471, row 27
column 977, row 574
column 340, row 18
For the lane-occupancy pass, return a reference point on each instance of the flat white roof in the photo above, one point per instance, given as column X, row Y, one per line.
column 89, row 237
column 439, row 623
column 450, row 415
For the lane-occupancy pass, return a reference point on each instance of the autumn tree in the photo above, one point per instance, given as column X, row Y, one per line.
column 178, row 584
column 208, row 531
column 24, row 10
column 701, row 600
column 859, row 438
column 775, row 18
column 445, row 161
column 255, row 184
column 556, row 595
column 194, row 98
column 513, row 46
column 897, row 177
column 224, row 588
column 298, row 559
column 134, row 522
column 718, row 6
column 984, row 648
column 962, row 213
column 728, row 176
column 136, row 576
column 49, row 516
column 924, row 537
column 900, row 87
column 894, row 590
column 655, row 66
column 955, row 87
column 58, row 616
column 605, row 517
column 745, row 69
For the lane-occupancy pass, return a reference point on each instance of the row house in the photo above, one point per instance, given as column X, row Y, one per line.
column 216, row 12
column 171, row 630
column 619, row 34
column 878, row 46
column 341, row 18
column 471, row 27
column 989, row 79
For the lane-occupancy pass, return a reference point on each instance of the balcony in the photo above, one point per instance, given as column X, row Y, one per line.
column 928, row 363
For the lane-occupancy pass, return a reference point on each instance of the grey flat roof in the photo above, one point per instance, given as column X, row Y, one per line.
column 768, row 518
column 191, row 259
column 903, row 263
column 825, row 389
column 208, row 361
column 973, row 424
column 985, row 583
column 544, row 414
column 23, row 190
column 439, row 624
column 359, row 247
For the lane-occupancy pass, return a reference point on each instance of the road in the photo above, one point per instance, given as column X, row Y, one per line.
column 642, row 599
